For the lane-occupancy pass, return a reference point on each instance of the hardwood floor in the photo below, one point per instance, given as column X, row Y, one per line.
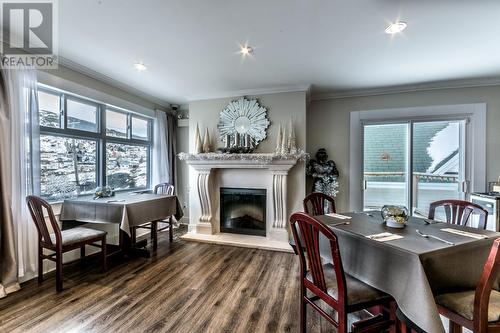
column 184, row 287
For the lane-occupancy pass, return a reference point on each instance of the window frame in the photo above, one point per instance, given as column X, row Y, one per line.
column 99, row 136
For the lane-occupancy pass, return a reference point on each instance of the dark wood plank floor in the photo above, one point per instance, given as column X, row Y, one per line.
column 184, row 287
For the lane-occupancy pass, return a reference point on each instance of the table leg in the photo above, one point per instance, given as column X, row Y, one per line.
column 137, row 249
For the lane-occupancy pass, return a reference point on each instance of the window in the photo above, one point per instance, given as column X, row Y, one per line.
column 436, row 152
column 49, row 109
column 127, row 166
column 116, row 124
column 423, row 153
column 82, row 115
column 85, row 144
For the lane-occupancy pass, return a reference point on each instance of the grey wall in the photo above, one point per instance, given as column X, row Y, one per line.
column 281, row 107
column 328, row 124
column 73, row 81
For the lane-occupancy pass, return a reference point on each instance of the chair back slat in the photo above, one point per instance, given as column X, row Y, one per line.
column 308, row 245
column 318, row 203
column 458, row 212
column 483, row 290
column 37, row 208
column 164, row 188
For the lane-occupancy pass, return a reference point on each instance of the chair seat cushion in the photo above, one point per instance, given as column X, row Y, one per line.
column 357, row 291
column 462, row 303
column 77, row 235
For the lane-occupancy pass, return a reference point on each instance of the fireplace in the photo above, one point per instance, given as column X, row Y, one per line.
column 243, row 211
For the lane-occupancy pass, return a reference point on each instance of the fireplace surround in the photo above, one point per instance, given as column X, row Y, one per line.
column 212, row 171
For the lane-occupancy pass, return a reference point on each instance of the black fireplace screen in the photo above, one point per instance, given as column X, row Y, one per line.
column 243, row 211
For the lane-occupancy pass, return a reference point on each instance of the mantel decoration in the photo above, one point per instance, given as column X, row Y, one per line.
column 286, row 145
column 198, row 145
column 242, row 125
column 300, row 155
column 324, row 173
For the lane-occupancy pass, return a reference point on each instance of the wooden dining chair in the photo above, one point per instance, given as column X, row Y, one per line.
column 479, row 309
column 318, row 203
column 166, row 189
column 459, row 212
column 328, row 282
column 61, row 241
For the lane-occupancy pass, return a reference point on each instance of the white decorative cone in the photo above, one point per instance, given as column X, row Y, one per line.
column 292, row 144
column 284, row 148
column 279, row 140
column 198, row 148
column 206, row 142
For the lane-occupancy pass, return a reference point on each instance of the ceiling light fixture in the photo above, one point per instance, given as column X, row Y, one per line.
column 396, row 27
column 140, row 66
column 246, row 50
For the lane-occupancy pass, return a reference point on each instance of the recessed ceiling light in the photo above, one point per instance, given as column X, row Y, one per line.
column 140, row 66
column 396, row 27
column 246, row 50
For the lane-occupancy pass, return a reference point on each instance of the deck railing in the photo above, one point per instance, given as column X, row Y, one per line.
column 433, row 183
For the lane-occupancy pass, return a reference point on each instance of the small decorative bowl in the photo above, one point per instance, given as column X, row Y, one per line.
column 395, row 216
column 103, row 192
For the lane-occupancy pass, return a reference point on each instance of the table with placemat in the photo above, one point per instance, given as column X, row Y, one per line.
column 412, row 264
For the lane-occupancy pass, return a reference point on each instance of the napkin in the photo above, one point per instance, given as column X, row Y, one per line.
column 384, row 237
column 339, row 216
column 464, row 233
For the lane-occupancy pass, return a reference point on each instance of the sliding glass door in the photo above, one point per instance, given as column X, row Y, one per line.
column 413, row 163
column 385, row 162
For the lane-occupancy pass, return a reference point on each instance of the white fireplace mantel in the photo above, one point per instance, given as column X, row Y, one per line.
column 212, row 170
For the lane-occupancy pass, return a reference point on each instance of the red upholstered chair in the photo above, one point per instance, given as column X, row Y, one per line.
column 458, row 212
column 318, row 203
column 328, row 282
column 163, row 188
column 60, row 241
column 477, row 310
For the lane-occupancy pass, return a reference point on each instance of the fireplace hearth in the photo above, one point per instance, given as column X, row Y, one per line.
column 243, row 211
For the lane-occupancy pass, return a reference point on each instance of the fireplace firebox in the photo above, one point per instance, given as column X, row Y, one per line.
column 243, row 211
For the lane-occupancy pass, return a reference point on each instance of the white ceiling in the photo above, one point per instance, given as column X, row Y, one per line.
column 190, row 46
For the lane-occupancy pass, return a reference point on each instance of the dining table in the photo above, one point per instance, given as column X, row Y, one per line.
column 126, row 209
column 410, row 264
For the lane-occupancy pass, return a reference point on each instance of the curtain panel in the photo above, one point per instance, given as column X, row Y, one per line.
column 164, row 148
column 8, row 258
column 18, row 236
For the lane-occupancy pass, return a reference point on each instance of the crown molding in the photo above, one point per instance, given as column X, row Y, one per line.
column 440, row 85
column 250, row 92
column 110, row 81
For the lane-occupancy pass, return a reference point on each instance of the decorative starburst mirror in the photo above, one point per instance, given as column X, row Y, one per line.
column 244, row 117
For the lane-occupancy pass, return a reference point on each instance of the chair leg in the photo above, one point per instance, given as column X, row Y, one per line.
column 392, row 316
column 59, row 271
column 133, row 235
column 170, row 231
column 303, row 312
column 40, row 264
column 82, row 253
column 154, row 234
column 454, row 328
column 103, row 255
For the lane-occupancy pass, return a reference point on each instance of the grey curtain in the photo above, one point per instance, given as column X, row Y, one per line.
column 8, row 260
column 164, row 151
column 172, row 146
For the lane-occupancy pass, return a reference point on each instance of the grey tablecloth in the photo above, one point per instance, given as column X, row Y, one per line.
column 412, row 269
column 125, row 209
